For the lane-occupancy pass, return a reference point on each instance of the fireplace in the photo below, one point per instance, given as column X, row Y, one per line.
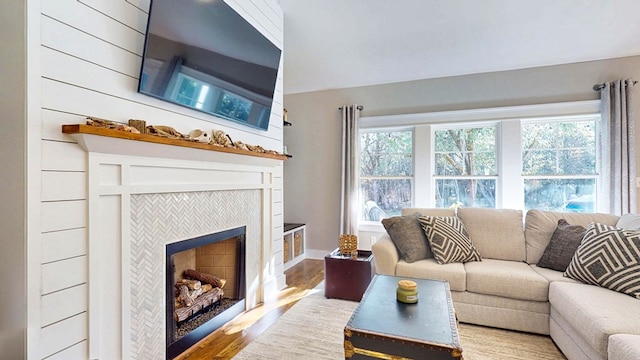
column 143, row 197
column 205, row 286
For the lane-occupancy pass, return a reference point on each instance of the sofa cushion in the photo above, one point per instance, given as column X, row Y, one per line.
column 429, row 211
column 496, row 233
column 510, row 279
column 501, row 312
column 629, row 221
column 500, row 302
column 570, row 342
column 564, row 243
column 608, row 257
column 430, row 269
column 408, row 237
column 540, row 225
column 448, row 239
column 594, row 312
column 624, row 347
column 550, row 275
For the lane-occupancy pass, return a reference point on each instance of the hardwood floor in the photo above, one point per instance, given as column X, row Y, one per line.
column 227, row 341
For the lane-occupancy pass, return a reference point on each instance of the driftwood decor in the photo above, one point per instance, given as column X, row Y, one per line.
column 108, row 124
column 141, row 125
column 165, row 131
column 119, row 134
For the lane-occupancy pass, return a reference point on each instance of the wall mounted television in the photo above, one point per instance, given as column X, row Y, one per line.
column 205, row 56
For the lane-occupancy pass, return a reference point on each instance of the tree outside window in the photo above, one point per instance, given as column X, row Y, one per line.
column 465, row 167
column 386, row 173
column 234, row 106
column 547, row 164
column 559, row 165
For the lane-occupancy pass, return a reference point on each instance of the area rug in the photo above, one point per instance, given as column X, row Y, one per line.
column 312, row 329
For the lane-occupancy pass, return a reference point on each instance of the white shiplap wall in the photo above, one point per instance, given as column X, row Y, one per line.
column 90, row 59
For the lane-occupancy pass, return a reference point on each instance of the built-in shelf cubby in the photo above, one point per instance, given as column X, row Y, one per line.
column 293, row 244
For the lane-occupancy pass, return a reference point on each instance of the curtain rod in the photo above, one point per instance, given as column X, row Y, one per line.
column 598, row 87
column 360, row 107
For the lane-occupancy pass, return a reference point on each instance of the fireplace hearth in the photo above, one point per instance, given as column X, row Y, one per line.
column 205, row 286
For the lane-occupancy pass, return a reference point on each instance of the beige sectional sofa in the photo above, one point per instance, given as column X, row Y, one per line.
column 507, row 290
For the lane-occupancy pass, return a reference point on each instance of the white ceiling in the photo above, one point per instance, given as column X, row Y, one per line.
column 330, row 44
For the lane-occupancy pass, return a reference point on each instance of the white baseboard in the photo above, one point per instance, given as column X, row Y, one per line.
column 316, row 254
column 281, row 281
column 294, row 261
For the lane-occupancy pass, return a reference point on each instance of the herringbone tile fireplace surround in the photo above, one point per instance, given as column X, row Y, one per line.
column 158, row 219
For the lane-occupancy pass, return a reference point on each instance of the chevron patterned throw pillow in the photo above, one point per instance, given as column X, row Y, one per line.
column 449, row 239
column 608, row 257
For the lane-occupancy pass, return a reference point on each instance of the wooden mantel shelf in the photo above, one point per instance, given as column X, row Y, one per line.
column 119, row 134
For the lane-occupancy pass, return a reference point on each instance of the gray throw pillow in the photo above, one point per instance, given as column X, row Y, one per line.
column 449, row 239
column 563, row 244
column 406, row 233
column 608, row 257
column 629, row 222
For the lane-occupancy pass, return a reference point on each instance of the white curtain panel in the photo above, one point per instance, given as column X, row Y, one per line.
column 618, row 145
column 349, row 194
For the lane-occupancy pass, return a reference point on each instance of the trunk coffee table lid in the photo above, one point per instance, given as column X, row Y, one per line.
column 430, row 320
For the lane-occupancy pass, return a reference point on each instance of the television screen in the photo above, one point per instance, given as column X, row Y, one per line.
column 205, row 56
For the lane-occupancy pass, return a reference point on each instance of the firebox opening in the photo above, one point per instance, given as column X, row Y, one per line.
column 204, row 287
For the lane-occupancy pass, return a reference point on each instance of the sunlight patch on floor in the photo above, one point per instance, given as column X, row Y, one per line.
column 284, row 298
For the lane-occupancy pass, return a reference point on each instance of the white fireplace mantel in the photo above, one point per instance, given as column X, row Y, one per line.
column 120, row 170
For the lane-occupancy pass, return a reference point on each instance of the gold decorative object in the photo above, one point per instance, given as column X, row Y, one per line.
column 348, row 244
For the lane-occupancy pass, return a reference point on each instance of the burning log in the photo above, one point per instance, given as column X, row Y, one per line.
column 204, row 278
column 201, row 302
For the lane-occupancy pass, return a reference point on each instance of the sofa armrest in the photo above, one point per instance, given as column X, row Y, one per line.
column 385, row 255
column 624, row 346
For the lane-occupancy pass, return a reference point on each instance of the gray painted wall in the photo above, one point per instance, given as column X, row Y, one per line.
column 13, row 144
column 312, row 176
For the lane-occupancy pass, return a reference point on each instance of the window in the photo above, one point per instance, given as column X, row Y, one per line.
column 234, row 106
column 469, row 158
column 559, row 165
column 465, row 167
column 386, row 173
column 195, row 89
column 190, row 91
